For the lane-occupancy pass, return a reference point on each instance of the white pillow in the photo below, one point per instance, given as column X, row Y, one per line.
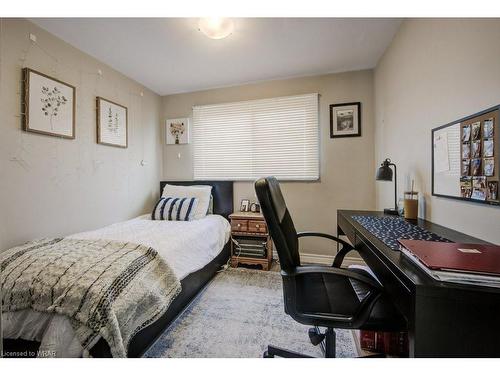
column 201, row 192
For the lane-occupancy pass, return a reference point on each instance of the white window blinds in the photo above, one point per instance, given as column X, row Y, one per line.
column 251, row 139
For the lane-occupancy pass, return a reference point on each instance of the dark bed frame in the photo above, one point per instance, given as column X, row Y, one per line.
column 222, row 192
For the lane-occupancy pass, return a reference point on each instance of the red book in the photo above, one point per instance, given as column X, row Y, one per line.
column 396, row 343
column 391, row 343
column 459, row 257
column 367, row 340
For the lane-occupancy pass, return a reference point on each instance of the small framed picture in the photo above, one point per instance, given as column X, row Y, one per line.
column 465, row 186
column 488, row 128
column 112, row 123
column 466, row 133
column 49, row 105
column 476, row 167
column 476, row 130
column 479, row 188
column 488, row 149
column 493, row 190
column 476, row 149
column 177, row 131
column 465, row 167
column 245, row 205
column 489, row 167
column 465, row 150
column 345, row 120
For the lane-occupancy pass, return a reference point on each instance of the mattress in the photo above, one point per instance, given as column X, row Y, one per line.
column 186, row 247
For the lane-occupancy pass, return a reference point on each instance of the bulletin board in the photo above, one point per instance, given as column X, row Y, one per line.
column 465, row 158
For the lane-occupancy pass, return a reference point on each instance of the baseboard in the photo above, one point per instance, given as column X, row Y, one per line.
column 325, row 259
column 328, row 259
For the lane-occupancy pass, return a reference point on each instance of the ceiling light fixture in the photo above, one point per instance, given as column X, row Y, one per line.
column 216, row 27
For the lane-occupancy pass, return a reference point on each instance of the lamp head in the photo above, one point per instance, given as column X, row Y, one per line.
column 384, row 173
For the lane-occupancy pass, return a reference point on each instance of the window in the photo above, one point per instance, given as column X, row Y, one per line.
column 251, row 139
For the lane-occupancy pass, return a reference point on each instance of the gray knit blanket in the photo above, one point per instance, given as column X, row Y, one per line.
column 107, row 289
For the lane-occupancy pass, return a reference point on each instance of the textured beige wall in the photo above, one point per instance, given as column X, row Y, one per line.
column 347, row 164
column 63, row 186
column 434, row 72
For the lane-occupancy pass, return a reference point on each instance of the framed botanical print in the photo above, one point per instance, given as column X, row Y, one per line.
column 345, row 120
column 49, row 105
column 177, row 131
column 112, row 123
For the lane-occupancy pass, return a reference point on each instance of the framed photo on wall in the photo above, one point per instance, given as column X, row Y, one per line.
column 49, row 105
column 112, row 123
column 345, row 120
column 177, row 131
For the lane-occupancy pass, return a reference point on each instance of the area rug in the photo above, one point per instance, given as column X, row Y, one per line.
column 237, row 315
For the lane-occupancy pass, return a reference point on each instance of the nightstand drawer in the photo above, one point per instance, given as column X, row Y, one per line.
column 239, row 225
column 257, row 226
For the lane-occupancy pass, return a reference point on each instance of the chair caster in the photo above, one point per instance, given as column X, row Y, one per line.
column 267, row 355
column 315, row 336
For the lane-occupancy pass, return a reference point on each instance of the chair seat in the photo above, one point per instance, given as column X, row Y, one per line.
column 319, row 293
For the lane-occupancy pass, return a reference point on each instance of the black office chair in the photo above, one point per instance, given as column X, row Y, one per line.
column 322, row 296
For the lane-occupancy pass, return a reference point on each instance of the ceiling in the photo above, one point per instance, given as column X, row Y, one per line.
column 170, row 55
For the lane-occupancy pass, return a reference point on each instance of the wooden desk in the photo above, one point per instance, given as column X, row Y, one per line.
column 444, row 319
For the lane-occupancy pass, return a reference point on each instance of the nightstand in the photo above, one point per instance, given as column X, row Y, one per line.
column 250, row 240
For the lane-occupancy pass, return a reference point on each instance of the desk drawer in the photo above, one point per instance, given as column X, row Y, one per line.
column 239, row 225
column 257, row 226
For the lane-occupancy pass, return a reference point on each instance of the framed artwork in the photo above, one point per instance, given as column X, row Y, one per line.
column 345, row 120
column 245, row 205
column 112, row 123
column 49, row 105
column 177, row 131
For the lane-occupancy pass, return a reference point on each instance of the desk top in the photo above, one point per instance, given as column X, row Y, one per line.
column 410, row 274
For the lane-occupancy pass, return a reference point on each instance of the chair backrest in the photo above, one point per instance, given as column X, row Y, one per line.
column 279, row 221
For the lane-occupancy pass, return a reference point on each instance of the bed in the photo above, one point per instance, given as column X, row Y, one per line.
column 195, row 251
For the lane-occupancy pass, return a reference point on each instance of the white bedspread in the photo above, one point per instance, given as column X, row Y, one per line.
column 186, row 246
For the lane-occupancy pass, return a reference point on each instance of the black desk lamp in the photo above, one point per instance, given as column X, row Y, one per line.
column 384, row 173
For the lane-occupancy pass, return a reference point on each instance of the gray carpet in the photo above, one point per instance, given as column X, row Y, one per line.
column 237, row 315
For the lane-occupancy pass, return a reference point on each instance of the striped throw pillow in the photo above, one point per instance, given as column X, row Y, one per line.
column 174, row 209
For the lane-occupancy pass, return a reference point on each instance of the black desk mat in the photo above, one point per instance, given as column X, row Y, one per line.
column 389, row 229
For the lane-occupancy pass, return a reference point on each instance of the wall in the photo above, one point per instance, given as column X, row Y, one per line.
column 347, row 164
column 54, row 187
column 434, row 72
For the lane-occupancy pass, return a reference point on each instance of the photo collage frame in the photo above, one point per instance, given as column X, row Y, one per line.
column 479, row 147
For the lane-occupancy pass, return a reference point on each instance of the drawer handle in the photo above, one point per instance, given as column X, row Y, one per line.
column 239, row 225
column 257, row 226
